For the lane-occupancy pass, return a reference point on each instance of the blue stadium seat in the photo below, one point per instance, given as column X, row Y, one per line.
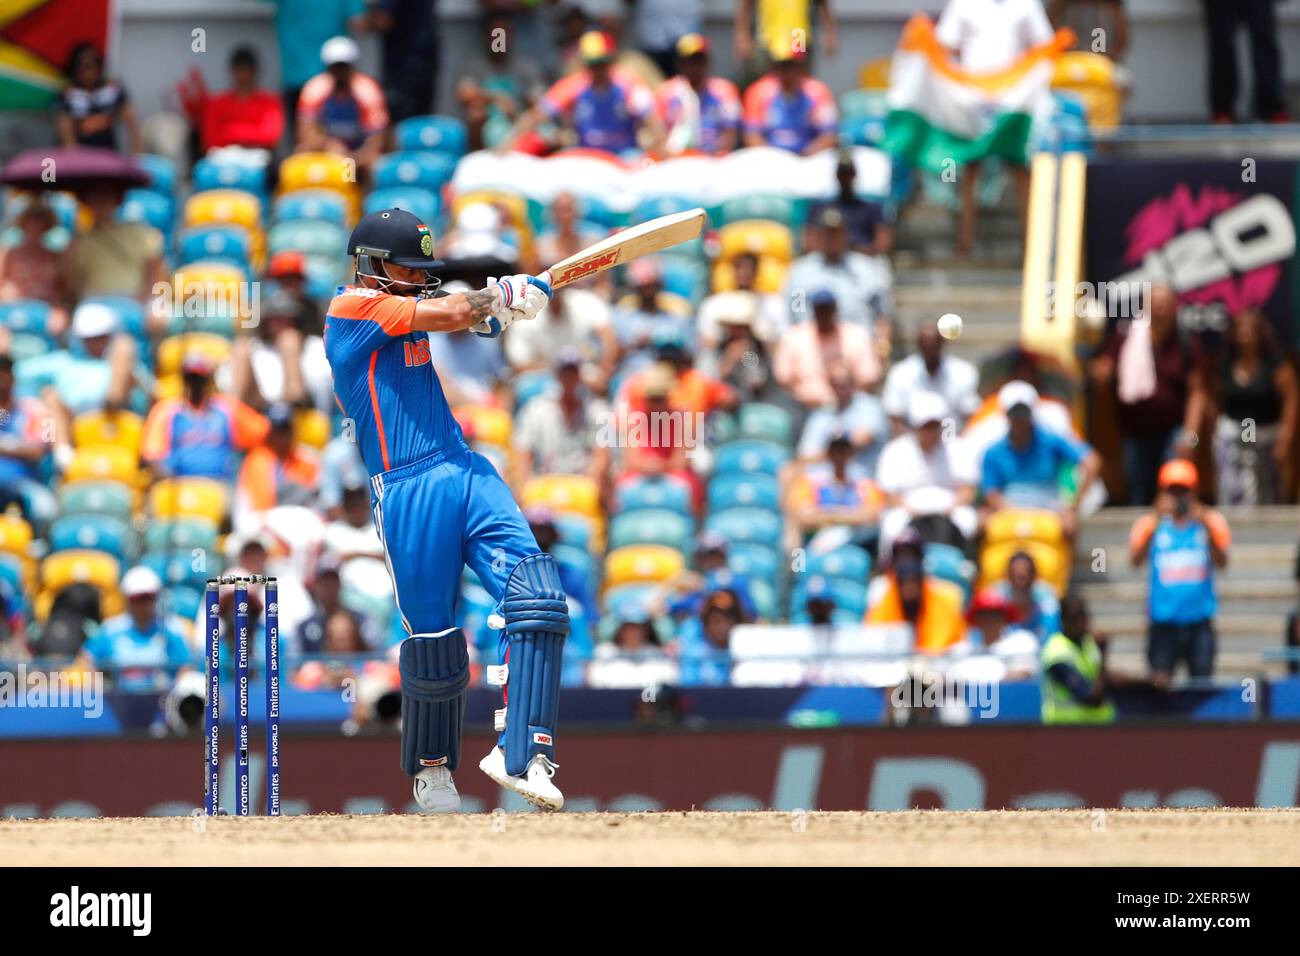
column 178, row 567
column 574, row 530
column 439, row 134
column 755, row 561
column 686, row 277
column 751, row 525
column 528, row 385
column 579, row 561
column 162, row 173
column 151, row 208
column 744, row 490
column 654, row 492
column 218, row 243
column 595, row 209
column 214, row 173
column 862, row 130
column 26, row 316
column 850, row 596
column 652, row 526
column 848, row 563
column 424, row 203
column 747, row 455
column 322, row 205
column 426, row 170
column 656, row 206
column 321, row 239
column 92, row 533
column 184, row 602
column 618, row 601
column 948, row 563
column 767, row 422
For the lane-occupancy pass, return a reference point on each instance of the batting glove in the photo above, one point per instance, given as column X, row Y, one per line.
column 518, row 297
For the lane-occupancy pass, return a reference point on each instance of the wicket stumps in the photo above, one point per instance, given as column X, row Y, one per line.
column 212, row 712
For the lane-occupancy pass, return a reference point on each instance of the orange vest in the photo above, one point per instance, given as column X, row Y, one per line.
column 940, row 624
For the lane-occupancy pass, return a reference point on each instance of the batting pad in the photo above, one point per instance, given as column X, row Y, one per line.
column 536, row 613
column 435, row 673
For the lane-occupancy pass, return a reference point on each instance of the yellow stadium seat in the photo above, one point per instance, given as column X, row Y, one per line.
column 15, row 535
column 318, row 171
column 1051, row 560
column 576, row 494
column 311, row 427
column 484, row 423
column 770, row 278
column 761, row 237
column 1091, row 77
column 104, row 463
column 188, row 498
column 1013, row 524
column 171, row 350
column 108, row 428
column 642, row 563
column 224, row 207
column 874, row 74
column 80, row 567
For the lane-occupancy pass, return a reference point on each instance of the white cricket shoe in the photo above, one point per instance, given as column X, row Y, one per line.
column 494, row 765
column 535, row 785
column 435, row 791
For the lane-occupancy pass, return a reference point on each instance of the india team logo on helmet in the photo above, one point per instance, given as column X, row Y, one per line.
column 426, row 240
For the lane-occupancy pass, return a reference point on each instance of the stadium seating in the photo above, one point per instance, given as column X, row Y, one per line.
column 744, row 490
column 752, row 525
column 424, row 203
column 150, row 208
column 180, row 533
column 188, row 498
column 779, row 209
column 15, row 535
column 103, row 463
column 101, row 571
column 846, row 563
column 666, row 492
column 750, row 455
column 651, row 526
column 183, row 567
column 216, row 243
column 92, row 533
column 429, row 171
column 315, row 205
column 108, row 428
column 440, row 134
column 755, row 561
column 217, row 172
column 172, row 350
column 642, row 564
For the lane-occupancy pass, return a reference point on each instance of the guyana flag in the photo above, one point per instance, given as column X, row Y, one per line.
column 940, row 113
column 36, row 37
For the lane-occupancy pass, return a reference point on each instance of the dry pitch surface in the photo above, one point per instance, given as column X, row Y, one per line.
column 927, row 838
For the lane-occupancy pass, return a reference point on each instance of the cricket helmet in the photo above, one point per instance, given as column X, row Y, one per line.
column 399, row 237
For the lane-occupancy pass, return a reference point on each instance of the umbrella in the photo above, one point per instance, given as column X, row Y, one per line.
column 72, row 168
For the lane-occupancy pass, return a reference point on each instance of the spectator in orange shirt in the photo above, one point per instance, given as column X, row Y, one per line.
column 279, row 471
column 905, row 594
column 342, row 110
column 810, row 351
column 243, row 116
column 199, row 433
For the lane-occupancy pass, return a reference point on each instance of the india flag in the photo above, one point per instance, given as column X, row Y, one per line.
column 940, row 114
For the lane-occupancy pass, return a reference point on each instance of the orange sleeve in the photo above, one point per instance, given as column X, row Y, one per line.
column 156, row 442
column 393, row 313
column 256, row 484
column 248, row 427
column 1217, row 526
column 1143, row 528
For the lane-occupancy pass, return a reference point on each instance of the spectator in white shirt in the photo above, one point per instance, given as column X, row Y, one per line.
column 988, row 36
column 927, row 471
column 863, row 285
column 929, row 370
column 574, row 319
column 771, row 311
column 852, row 411
column 556, row 432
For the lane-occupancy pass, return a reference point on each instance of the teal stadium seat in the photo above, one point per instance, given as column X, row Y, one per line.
column 214, row 243
column 579, row 561
column 26, row 317
column 150, row 208
column 847, row 563
column 313, row 238
column 627, row 598
column 108, row 498
column 755, row 561
column 574, row 529
column 948, row 563
column 317, row 205
column 744, row 490
column 750, row 455
column 767, row 603
column 850, row 596
column 750, row 525
column 656, row 206
column 215, row 173
column 426, row 170
column 439, row 134
column 180, row 568
column 689, row 278
column 672, row 494
column 87, row 532
column 162, row 173
column 780, row 209
column 595, row 209
column 651, row 526
column 184, row 602
column 424, row 203
column 180, row 534
column 767, row 422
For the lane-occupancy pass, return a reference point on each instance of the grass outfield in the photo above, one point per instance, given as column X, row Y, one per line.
column 923, row 838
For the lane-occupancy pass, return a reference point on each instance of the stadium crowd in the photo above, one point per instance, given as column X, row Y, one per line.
column 736, row 431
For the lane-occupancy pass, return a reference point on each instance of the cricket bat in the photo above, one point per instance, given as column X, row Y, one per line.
column 631, row 243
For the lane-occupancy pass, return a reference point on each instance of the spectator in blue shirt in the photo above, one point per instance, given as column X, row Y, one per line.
column 705, row 643
column 1034, row 600
column 141, row 649
column 858, row 413
column 1026, row 467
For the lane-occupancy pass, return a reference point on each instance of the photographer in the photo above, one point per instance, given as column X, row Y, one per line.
column 1185, row 541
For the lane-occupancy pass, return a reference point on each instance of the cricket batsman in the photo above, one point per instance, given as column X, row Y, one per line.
column 438, row 506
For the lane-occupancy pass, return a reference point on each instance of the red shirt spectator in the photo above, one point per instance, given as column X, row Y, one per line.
column 242, row 116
